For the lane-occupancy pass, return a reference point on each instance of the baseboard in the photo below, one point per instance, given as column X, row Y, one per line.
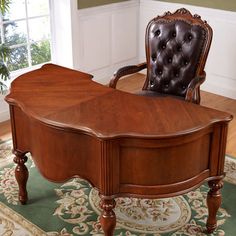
column 4, row 115
column 220, row 85
column 104, row 75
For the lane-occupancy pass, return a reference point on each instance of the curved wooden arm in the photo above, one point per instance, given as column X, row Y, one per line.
column 193, row 92
column 127, row 70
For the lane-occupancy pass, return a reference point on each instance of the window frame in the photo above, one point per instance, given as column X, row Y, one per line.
column 28, row 43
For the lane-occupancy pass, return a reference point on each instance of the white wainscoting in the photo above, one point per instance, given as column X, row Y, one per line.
column 221, row 62
column 107, row 38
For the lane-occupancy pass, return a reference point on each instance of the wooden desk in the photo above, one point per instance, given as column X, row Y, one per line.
column 123, row 144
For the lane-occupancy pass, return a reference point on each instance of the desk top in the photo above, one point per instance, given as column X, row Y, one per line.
column 69, row 99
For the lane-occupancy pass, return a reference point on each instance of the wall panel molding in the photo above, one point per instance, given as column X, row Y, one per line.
column 107, row 38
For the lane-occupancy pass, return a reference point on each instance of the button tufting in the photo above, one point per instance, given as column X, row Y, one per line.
column 190, row 37
column 183, row 87
column 179, row 48
column 185, row 62
column 157, row 33
column 163, row 46
column 159, row 72
column 151, row 83
column 174, row 34
column 169, row 59
column 176, row 74
column 166, row 85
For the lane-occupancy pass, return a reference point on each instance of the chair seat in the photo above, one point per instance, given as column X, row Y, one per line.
column 150, row 93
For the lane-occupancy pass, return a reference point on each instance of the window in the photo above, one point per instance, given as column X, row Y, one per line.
column 25, row 29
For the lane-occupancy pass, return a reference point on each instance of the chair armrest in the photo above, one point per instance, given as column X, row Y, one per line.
column 193, row 94
column 127, row 70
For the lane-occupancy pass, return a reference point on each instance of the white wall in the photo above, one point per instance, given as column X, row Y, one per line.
column 221, row 63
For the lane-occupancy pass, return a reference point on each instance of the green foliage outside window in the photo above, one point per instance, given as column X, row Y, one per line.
column 40, row 52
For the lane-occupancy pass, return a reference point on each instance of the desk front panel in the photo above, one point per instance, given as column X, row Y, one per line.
column 168, row 165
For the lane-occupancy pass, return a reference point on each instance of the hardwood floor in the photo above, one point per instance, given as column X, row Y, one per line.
column 134, row 83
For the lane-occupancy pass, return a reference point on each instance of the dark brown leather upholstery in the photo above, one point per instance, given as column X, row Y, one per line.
column 174, row 50
column 177, row 46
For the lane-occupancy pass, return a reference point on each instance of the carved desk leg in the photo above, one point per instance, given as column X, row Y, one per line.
column 21, row 174
column 108, row 217
column 213, row 202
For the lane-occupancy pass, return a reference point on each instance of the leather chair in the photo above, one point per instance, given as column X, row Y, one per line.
column 177, row 46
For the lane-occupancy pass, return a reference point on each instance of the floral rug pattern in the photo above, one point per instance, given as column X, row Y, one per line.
column 76, row 206
column 5, row 153
column 230, row 169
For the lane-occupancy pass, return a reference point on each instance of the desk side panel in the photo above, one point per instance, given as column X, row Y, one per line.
column 58, row 154
column 20, row 125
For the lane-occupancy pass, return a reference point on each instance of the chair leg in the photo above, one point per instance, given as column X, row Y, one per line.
column 213, row 202
column 108, row 217
column 21, row 175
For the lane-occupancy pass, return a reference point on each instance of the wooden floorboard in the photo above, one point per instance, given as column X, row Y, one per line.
column 134, row 83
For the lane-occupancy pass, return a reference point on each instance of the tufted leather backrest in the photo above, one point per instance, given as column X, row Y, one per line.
column 177, row 46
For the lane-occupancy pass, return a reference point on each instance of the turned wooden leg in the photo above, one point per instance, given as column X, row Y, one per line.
column 213, row 202
column 108, row 217
column 21, row 174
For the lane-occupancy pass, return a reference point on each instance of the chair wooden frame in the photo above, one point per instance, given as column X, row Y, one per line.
column 193, row 90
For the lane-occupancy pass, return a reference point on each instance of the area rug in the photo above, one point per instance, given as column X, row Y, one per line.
column 73, row 208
